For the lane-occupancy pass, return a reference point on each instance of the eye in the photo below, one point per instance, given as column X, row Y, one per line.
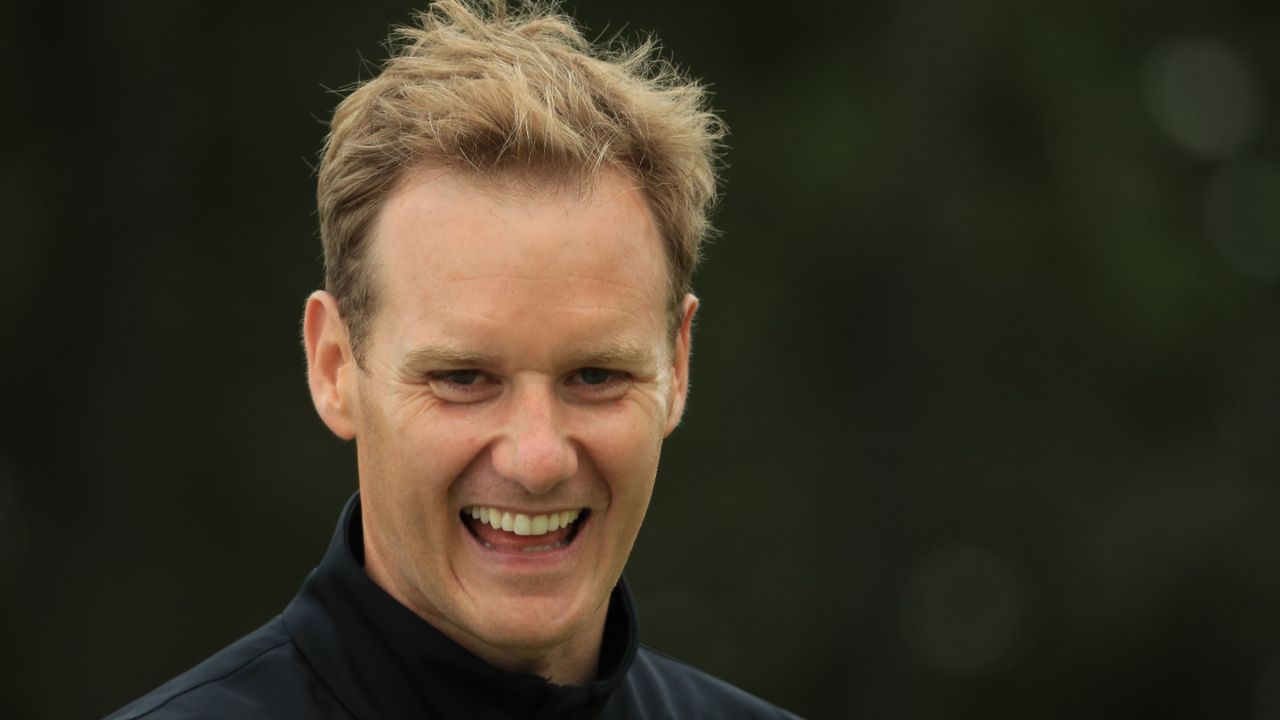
column 460, row 377
column 595, row 376
column 599, row 383
column 462, row 386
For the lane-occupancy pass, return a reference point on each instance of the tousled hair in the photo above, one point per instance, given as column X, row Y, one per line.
column 499, row 93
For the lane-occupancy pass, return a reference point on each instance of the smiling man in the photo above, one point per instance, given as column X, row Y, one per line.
column 510, row 221
column 508, row 407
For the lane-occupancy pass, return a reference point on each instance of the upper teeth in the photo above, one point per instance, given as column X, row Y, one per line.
column 519, row 523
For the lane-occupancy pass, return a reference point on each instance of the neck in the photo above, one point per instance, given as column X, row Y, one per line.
column 573, row 661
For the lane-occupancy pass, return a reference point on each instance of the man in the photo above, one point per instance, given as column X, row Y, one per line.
column 510, row 220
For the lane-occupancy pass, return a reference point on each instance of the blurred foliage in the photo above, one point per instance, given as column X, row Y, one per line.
column 987, row 378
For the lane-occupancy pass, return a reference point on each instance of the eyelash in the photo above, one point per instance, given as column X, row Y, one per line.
column 443, row 377
column 615, row 377
column 483, row 380
column 441, row 380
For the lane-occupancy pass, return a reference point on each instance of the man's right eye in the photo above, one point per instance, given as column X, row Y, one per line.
column 462, row 386
column 460, row 377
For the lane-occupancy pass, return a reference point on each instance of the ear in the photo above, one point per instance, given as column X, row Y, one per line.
column 331, row 366
column 680, row 369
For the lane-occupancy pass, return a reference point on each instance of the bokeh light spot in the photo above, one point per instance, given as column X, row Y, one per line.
column 1204, row 96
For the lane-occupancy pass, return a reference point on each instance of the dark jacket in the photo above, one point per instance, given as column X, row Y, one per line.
column 345, row 649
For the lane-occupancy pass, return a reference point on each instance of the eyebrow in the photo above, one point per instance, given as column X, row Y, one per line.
column 448, row 356
column 613, row 353
column 607, row 353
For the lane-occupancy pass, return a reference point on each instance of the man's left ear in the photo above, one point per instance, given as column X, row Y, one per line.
column 680, row 369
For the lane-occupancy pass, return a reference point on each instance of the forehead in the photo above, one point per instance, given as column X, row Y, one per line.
column 453, row 253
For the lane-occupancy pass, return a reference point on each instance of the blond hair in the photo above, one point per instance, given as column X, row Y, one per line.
column 497, row 93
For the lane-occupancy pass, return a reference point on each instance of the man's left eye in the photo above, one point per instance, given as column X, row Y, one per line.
column 595, row 376
column 600, row 383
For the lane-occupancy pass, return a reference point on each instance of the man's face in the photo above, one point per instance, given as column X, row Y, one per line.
column 520, row 363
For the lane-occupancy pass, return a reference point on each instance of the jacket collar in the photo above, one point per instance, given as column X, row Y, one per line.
column 382, row 661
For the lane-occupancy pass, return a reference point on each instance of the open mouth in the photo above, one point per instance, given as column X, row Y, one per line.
column 517, row 532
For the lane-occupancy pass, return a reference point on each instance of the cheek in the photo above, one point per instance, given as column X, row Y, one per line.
column 436, row 454
column 625, row 447
column 416, row 452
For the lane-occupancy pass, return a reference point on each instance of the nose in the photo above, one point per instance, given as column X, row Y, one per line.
column 534, row 449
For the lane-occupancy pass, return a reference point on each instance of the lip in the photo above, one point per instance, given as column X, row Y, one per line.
column 532, row 563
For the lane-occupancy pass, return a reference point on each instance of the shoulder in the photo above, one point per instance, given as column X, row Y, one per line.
column 260, row 675
column 659, row 686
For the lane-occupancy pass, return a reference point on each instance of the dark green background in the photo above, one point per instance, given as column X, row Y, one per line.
column 986, row 384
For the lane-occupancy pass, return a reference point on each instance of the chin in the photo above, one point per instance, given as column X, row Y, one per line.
column 540, row 622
